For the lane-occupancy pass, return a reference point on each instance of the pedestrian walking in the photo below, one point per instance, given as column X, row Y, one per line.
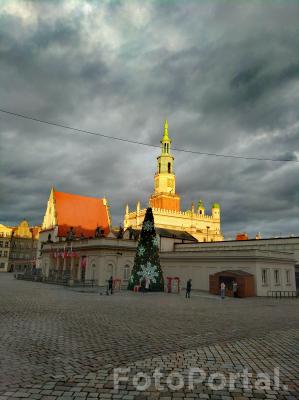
column 235, row 289
column 222, row 290
column 188, row 288
column 110, row 285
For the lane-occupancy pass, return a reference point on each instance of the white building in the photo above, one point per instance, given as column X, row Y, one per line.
column 100, row 258
column 285, row 244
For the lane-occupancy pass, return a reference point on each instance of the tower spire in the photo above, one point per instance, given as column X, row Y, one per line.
column 166, row 128
column 165, row 136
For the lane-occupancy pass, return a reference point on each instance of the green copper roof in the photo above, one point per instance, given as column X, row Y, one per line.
column 216, row 205
column 200, row 204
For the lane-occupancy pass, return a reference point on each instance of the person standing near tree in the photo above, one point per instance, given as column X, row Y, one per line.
column 188, row 288
column 110, row 285
column 142, row 286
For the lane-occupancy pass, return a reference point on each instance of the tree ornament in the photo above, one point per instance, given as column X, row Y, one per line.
column 149, row 272
column 155, row 241
column 147, row 226
column 141, row 250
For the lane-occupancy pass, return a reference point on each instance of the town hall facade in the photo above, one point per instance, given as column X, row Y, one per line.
column 165, row 202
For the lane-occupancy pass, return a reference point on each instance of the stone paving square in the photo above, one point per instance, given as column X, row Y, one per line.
column 57, row 343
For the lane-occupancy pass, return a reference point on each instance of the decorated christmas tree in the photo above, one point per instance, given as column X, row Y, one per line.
column 147, row 262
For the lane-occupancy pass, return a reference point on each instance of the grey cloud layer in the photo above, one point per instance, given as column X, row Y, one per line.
column 226, row 75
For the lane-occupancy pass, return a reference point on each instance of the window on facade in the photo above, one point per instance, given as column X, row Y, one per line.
column 6, row 244
column 2, row 265
column 276, row 276
column 1, row 243
column 126, row 273
column 288, row 277
column 264, row 277
column 169, row 168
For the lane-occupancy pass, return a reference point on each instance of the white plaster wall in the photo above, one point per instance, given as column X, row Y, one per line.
column 199, row 272
column 109, row 265
column 262, row 290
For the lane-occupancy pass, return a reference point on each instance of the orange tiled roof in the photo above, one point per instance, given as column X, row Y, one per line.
column 82, row 213
column 242, row 236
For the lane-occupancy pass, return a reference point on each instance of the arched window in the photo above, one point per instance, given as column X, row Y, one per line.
column 169, row 167
column 165, row 147
column 126, row 272
column 109, row 271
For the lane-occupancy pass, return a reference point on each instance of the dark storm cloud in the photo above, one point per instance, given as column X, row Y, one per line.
column 226, row 74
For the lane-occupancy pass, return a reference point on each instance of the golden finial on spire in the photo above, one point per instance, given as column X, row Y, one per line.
column 166, row 128
column 165, row 136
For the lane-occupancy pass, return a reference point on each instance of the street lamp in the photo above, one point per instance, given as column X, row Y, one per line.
column 93, row 268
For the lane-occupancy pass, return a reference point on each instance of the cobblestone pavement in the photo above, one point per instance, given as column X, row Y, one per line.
column 60, row 344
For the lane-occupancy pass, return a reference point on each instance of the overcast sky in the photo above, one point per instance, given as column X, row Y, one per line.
column 225, row 74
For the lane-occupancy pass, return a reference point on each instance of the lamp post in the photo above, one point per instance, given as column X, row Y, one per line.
column 93, row 268
column 116, row 267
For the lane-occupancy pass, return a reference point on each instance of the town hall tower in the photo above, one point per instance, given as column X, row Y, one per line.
column 164, row 195
column 165, row 203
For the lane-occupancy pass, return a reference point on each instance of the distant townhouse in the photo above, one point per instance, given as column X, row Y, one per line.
column 23, row 247
column 5, row 237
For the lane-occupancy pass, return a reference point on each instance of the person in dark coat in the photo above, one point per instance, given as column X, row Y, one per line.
column 188, row 288
column 110, row 285
column 142, row 286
